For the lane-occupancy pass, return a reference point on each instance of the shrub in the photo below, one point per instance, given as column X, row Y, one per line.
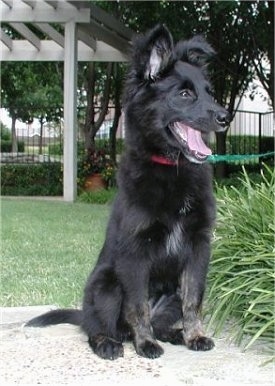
column 55, row 149
column 31, row 179
column 98, row 162
column 5, row 132
column 241, row 278
column 6, row 146
column 242, row 144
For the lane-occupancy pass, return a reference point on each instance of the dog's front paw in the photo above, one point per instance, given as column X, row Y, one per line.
column 106, row 348
column 201, row 343
column 149, row 349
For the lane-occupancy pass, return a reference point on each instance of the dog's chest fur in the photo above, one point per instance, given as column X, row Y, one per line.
column 174, row 240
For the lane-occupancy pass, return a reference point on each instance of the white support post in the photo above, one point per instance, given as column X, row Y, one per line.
column 70, row 116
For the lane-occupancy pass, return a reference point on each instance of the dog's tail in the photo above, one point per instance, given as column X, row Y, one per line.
column 53, row 317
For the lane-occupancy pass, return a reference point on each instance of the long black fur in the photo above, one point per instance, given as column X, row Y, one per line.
column 150, row 277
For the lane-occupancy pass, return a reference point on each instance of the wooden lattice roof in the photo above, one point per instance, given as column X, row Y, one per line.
column 100, row 36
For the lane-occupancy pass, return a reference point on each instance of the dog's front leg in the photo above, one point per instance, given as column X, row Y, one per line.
column 192, row 290
column 137, row 315
column 136, row 311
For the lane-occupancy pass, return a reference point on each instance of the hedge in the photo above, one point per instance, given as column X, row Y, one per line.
column 6, row 146
column 32, row 179
column 248, row 144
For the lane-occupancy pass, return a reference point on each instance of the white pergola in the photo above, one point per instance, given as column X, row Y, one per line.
column 88, row 34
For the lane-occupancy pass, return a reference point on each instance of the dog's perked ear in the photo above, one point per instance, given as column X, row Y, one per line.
column 152, row 52
column 195, row 51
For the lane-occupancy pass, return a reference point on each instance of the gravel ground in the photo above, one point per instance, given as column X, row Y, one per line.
column 60, row 355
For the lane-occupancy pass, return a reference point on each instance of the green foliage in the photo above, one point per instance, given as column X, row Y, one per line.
column 5, row 133
column 31, row 179
column 32, row 90
column 242, row 144
column 55, row 149
column 6, row 146
column 98, row 162
column 248, row 144
column 267, row 144
column 241, row 279
column 238, row 30
column 104, row 144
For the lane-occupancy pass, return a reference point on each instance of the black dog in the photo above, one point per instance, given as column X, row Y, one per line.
column 150, row 277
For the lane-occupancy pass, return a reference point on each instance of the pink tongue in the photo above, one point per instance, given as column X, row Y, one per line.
column 195, row 142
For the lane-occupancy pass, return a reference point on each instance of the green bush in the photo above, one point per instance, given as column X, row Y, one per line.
column 241, row 278
column 267, row 144
column 242, row 144
column 6, row 146
column 31, row 179
column 5, row 132
column 55, row 149
column 248, row 144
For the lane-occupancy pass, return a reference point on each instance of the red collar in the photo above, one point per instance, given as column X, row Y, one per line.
column 159, row 159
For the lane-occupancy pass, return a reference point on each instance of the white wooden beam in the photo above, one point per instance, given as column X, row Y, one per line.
column 42, row 12
column 70, row 117
column 84, row 35
column 48, row 30
column 30, row 3
column 6, row 40
column 107, row 36
column 52, row 3
column 27, row 33
column 51, row 51
column 9, row 3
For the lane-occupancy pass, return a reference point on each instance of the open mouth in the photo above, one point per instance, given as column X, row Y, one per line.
column 191, row 142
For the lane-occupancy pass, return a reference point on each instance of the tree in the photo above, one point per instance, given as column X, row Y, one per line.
column 95, row 86
column 263, row 46
column 17, row 81
column 45, row 104
column 232, row 27
column 117, row 86
column 31, row 90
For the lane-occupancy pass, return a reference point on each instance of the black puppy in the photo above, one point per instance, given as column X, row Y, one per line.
column 150, row 277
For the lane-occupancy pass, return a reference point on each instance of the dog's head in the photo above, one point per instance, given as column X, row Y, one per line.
column 168, row 98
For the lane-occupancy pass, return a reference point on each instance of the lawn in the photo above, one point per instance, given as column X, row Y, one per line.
column 48, row 249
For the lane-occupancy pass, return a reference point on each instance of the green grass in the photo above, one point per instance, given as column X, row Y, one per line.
column 103, row 196
column 48, row 249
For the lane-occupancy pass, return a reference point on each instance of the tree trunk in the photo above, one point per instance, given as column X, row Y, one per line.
column 41, row 135
column 113, row 130
column 91, row 125
column 14, row 145
column 221, row 168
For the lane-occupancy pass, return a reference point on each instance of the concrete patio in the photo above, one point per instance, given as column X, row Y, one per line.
column 60, row 355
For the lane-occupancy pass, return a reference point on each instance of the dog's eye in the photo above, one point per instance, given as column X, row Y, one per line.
column 186, row 93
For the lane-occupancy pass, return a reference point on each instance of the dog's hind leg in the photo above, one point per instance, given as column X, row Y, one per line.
column 101, row 312
column 166, row 319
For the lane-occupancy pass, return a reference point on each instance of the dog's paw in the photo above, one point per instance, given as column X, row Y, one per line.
column 149, row 349
column 201, row 343
column 172, row 336
column 107, row 348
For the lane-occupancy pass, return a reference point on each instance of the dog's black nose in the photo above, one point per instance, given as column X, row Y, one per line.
column 223, row 118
